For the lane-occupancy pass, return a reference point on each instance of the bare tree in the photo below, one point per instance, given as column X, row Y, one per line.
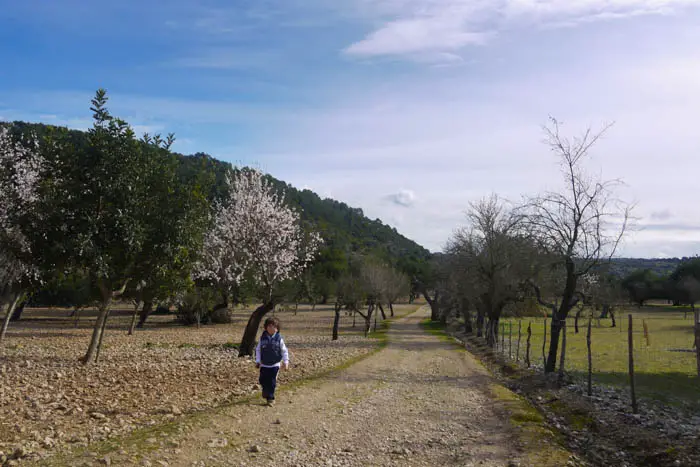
column 491, row 256
column 397, row 285
column 349, row 295
column 579, row 227
column 373, row 277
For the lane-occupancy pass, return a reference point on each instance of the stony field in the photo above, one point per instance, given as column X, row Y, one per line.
column 49, row 400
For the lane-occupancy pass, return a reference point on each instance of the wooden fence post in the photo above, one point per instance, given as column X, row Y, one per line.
column 630, row 345
column 527, row 350
column 503, row 338
column 697, row 338
column 510, row 340
column 590, row 359
column 646, row 331
column 517, row 349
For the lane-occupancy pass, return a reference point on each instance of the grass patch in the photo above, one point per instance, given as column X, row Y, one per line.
column 665, row 366
column 437, row 329
column 542, row 446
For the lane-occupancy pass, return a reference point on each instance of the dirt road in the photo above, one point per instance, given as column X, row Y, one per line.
column 420, row 401
column 417, row 402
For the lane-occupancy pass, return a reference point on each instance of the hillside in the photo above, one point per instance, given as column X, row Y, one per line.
column 661, row 266
column 344, row 229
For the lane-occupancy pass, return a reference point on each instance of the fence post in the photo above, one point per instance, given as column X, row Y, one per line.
column 590, row 360
column 503, row 338
column 517, row 349
column 696, row 315
column 527, row 350
column 646, row 331
column 630, row 344
column 544, row 343
column 562, row 357
column 510, row 340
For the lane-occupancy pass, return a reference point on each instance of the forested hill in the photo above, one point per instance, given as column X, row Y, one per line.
column 342, row 227
column 345, row 229
column 662, row 267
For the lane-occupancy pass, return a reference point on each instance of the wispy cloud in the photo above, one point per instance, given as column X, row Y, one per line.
column 228, row 58
column 416, row 29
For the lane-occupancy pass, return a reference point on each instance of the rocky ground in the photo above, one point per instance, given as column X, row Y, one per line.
column 419, row 401
column 603, row 427
column 50, row 402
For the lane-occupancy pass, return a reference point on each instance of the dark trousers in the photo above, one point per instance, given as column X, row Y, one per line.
column 268, row 381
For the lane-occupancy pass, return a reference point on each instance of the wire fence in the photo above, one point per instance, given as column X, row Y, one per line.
column 663, row 364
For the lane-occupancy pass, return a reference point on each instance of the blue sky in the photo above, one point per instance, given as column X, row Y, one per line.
column 408, row 109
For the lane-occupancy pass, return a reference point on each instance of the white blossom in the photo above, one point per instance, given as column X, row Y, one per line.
column 21, row 169
column 253, row 231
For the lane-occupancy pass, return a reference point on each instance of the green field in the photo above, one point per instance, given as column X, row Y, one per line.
column 665, row 365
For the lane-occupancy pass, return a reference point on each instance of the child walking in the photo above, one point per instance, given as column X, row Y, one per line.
column 270, row 354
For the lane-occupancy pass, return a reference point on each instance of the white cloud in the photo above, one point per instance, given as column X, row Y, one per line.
column 465, row 133
column 404, row 198
column 439, row 35
column 413, row 28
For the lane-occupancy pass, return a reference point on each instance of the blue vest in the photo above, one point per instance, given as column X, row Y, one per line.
column 270, row 348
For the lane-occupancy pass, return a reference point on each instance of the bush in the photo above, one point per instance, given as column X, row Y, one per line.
column 195, row 307
column 221, row 316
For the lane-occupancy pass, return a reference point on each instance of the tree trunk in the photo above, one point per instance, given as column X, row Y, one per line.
column 145, row 313
column 544, row 341
column 368, row 319
column 555, row 330
column 562, row 358
column 492, row 332
column 296, row 308
column 336, row 320
column 434, row 305
column 391, row 309
column 247, row 346
column 133, row 318
column 612, row 316
column 479, row 324
column 468, row 329
column 18, row 311
column 102, row 335
column 381, row 308
column 97, row 332
column 10, row 310
column 567, row 302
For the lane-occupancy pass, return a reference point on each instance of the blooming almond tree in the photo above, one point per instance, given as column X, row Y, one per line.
column 255, row 234
column 21, row 168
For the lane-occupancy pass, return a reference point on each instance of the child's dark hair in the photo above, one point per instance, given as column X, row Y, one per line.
column 272, row 320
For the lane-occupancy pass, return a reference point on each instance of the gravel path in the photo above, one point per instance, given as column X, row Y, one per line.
column 420, row 401
column 417, row 402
